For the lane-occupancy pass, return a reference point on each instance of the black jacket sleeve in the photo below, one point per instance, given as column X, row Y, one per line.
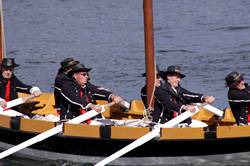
column 20, row 86
column 191, row 97
column 99, row 93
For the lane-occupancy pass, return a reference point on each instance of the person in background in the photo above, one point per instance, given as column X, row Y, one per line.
column 158, row 107
column 238, row 97
column 61, row 78
column 10, row 84
column 174, row 98
column 79, row 95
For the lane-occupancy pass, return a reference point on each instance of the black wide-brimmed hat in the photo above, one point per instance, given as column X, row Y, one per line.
column 158, row 72
column 9, row 62
column 233, row 77
column 68, row 62
column 78, row 68
column 173, row 69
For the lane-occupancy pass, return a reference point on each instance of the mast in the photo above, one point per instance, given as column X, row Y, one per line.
column 2, row 38
column 149, row 51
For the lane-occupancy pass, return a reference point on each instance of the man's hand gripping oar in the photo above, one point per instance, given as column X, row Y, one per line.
column 53, row 131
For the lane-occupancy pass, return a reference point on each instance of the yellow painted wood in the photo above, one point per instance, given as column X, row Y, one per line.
column 125, row 132
column 81, row 130
column 228, row 118
column 35, row 125
column 233, row 131
column 182, row 133
column 5, row 121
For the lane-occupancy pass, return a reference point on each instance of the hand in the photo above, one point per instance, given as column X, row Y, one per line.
column 37, row 93
column 117, row 99
column 209, row 99
column 157, row 82
column 190, row 108
column 97, row 107
column 3, row 104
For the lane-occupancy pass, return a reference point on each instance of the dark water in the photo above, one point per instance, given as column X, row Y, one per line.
column 208, row 39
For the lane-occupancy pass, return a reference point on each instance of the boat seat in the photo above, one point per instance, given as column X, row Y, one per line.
column 117, row 112
column 136, row 106
column 228, row 118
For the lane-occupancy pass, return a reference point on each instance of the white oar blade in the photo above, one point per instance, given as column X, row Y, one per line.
column 154, row 133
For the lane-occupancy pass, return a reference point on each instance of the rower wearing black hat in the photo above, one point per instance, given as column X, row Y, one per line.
column 10, row 84
column 79, row 95
column 238, row 97
column 61, row 78
column 175, row 98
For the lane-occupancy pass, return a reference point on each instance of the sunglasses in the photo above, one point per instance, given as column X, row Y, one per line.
column 84, row 74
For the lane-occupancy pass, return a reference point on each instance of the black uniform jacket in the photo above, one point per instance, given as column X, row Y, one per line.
column 72, row 101
column 239, row 101
column 167, row 101
column 15, row 86
column 60, row 79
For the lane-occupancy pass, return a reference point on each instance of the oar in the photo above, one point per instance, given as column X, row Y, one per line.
column 51, row 132
column 154, row 133
column 211, row 108
column 125, row 104
column 16, row 102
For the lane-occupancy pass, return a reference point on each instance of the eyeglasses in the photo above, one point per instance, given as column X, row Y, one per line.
column 84, row 74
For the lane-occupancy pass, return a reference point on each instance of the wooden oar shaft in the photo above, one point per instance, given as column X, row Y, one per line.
column 51, row 132
column 16, row 102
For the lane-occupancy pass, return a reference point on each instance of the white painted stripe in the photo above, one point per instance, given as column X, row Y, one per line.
column 73, row 102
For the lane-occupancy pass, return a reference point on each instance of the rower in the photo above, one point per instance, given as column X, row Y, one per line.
column 10, row 84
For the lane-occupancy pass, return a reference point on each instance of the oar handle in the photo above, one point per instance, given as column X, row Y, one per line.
column 211, row 108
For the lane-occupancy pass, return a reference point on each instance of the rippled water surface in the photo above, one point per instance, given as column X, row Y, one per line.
column 208, row 39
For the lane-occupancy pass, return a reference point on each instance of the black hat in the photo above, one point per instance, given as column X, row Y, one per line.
column 158, row 72
column 68, row 62
column 9, row 62
column 233, row 77
column 173, row 69
column 78, row 68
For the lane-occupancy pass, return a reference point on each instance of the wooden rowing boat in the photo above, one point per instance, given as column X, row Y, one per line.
column 91, row 143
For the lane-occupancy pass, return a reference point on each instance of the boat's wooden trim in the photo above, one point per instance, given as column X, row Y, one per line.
column 182, row 133
column 5, row 121
column 125, row 132
column 37, row 126
column 233, row 131
column 81, row 130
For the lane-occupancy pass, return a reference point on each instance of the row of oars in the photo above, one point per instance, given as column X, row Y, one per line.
column 140, row 141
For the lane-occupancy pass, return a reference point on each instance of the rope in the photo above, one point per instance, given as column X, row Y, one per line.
column 148, row 111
